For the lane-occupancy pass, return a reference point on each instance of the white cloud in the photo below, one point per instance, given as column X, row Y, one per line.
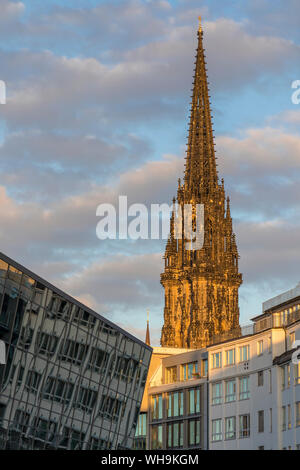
column 10, row 10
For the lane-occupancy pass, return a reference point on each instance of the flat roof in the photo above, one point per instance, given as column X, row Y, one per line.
column 283, row 298
column 37, row 278
column 169, row 351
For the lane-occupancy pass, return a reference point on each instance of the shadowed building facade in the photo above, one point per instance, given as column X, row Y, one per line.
column 201, row 285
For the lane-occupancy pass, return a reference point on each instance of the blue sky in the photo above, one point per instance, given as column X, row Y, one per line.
column 97, row 106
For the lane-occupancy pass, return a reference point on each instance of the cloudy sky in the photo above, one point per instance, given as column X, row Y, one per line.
column 98, row 98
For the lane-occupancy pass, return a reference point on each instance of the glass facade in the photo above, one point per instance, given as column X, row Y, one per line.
column 157, row 407
column 244, row 388
column 174, row 401
column 189, row 370
column 141, row 432
column 177, row 418
column 72, row 380
column 175, row 435
column 216, row 393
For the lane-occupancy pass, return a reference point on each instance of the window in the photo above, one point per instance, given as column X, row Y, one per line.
column 283, row 379
column 174, row 404
column 244, row 353
column 21, row 421
column 217, row 393
column 111, row 407
column 230, row 357
column 46, row 344
column 270, row 344
column 20, row 375
column 244, row 388
column 291, row 339
column 230, row 391
column 283, row 418
column 298, row 413
column 57, row 307
column 171, row 374
column 12, row 370
column 288, row 373
column 244, row 426
column 72, row 439
column 125, row 368
column 106, row 329
column 194, row 432
column 58, row 390
column 289, row 417
column 216, row 430
column 204, row 367
column 98, row 360
column 72, row 351
column 194, row 401
column 63, row 309
column 230, row 428
column 260, row 378
column 32, row 381
column 261, row 419
column 43, row 429
column 188, row 371
column 156, row 437
column 174, row 435
column 98, row 444
column 260, row 347
column 270, row 380
column 157, row 412
column 26, row 337
column 297, row 373
column 217, row 360
column 141, row 429
column 84, row 318
column 86, row 399
column 271, row 419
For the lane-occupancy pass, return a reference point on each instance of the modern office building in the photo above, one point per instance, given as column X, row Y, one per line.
column 158, row 354
column 254, row 383
column 72, row 379
column 178, row 402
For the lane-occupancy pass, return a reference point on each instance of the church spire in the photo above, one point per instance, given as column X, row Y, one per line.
column 147, row 340
column 200, row 168
column 201, row 283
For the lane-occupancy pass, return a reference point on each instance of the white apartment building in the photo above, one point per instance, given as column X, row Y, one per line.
column 254, row 387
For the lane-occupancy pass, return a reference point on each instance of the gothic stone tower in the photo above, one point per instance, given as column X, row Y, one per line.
column 201, row 286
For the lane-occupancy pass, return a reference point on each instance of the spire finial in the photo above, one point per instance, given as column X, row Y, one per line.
column 200, row 174
column 200, row 26
column 228, row 215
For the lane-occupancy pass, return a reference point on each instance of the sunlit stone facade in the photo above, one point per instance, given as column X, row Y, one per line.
column 72, row 379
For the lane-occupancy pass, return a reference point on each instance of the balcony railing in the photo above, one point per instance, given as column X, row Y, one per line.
column 243, row 330
column 277, row 320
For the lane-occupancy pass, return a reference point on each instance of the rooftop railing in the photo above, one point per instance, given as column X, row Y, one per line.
column 243, row 330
